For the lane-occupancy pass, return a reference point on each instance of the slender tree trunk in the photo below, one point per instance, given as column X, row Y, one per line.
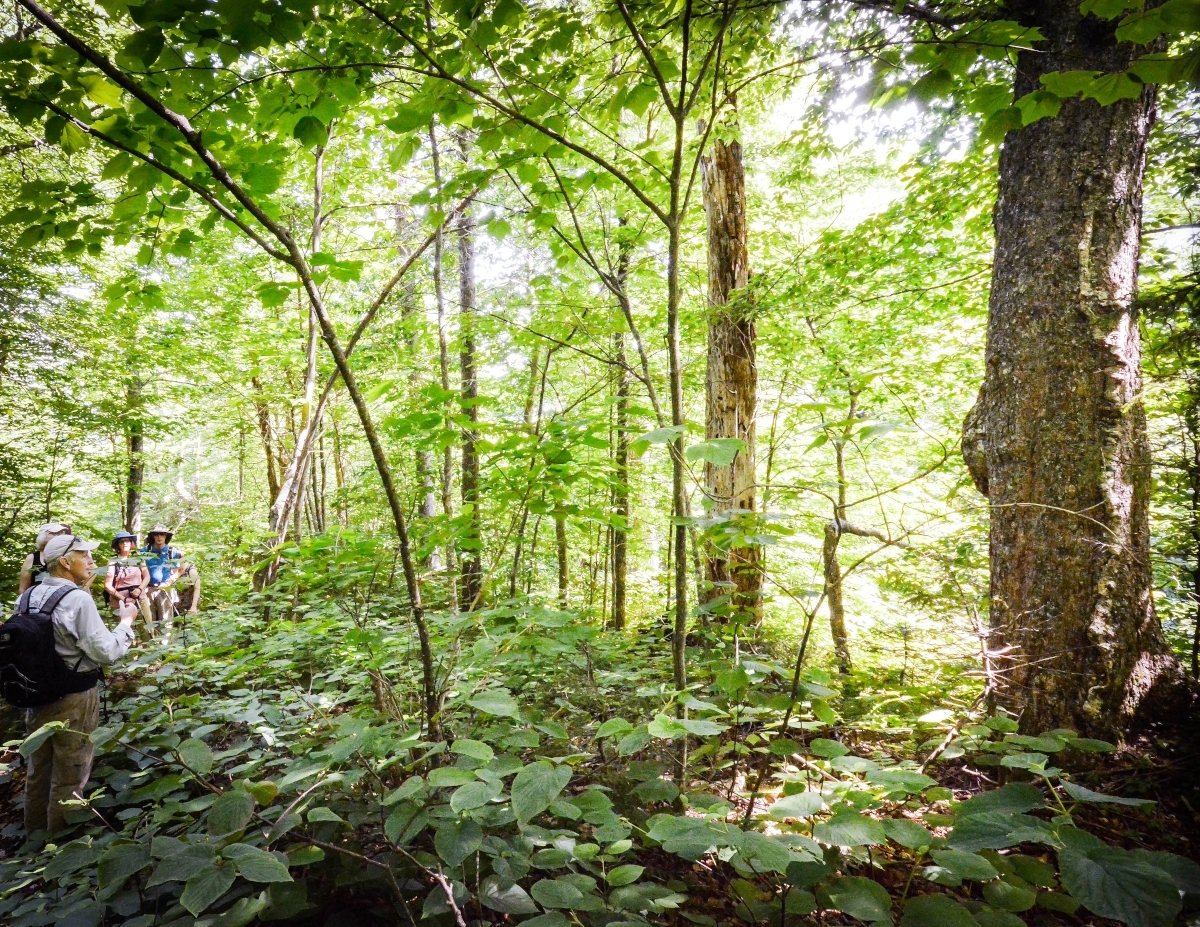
column 732, row 381
column 620, row 537
column 1191, row 450
column 833, row 597
column 1057, row 440
column 560, row 548
column 263, row 415
column 472, row 570
column 135, row 434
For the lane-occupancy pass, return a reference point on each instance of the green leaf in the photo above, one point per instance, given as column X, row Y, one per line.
column 907, row 833
column 496, row 702
column 900, row 780
column 1016, row 797
column 310, row 132
column 848, row 829
column 720, row 452
column 510, row 899
column 1109, row 88
column 556, row 893
column 828, row 749
column 860, row 898
column 987, row 916
column 476, row 749
column 1114, row 883
column 474, row 795
column 31, row 744
column 256, row 865
column 120, row 861
column 1010, row 893
column 100, row 91
column 1141, row 28
column 624, row 875
column 666, row 435
column 1079, row 793
column 1087, row 745
column 230, row 813
column 456, row 840
column 614, row 727
column 965, row 865
column 450, row 776
column 997, row 830
column 936, row 911
column 182, row 865
column 763, row 853
column 323, row 815
column 801, row 805
column 535, row 787
column 144, row 46
column 1184, row 872
column 634, row 741
column 196, row 755
column 205, row 887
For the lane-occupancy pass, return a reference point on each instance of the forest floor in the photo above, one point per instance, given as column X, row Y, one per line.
column 290, row 714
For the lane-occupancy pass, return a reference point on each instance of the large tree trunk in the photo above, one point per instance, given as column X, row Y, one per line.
column 472, row 572
column 135, row 437
column 732, row 383
column 560, row 549
column 1057, row 440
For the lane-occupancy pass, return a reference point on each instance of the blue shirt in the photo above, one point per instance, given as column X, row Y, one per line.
column 161, row 564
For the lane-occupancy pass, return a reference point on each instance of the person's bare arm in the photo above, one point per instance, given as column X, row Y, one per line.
column 110, row 575
column 145, row 583
column 26, row 579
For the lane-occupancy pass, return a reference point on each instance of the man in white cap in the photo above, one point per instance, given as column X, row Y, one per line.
column 59, row 769
column 34, row 564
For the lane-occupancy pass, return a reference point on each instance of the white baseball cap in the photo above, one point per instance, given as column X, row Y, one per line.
column 46, row 532
column 62, row 545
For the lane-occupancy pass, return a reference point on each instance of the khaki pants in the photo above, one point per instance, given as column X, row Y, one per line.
column 60, row 767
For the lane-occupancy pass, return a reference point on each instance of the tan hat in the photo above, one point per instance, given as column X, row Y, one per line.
column 58, row 547
column 46, row 532
column 160, row 528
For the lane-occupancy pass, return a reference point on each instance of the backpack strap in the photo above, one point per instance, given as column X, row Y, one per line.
column 51, row 603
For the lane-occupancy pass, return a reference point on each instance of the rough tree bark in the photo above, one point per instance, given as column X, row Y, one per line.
column 471, row 594
column 135, row 437
column 1057, row 440
column 732, row 381
column 561, row 555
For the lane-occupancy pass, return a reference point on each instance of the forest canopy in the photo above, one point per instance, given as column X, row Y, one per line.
column 602, row 463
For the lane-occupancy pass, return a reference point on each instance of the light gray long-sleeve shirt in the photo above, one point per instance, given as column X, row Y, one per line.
column 80, row 636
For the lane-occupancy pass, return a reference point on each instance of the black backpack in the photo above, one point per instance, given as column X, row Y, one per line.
column 31, row 671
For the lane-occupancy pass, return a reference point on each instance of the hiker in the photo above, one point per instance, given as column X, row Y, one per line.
column 33, row 564
column 127, row 577
column 59, row 768
column 169, row 574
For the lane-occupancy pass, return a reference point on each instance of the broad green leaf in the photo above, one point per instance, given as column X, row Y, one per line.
column 120, row 861
column 476, row 749
column 965, row 865
column 1079, row 793
column 1114, row 883
column 848, row 829
column 535, row 787
column 1016, row 797
column 255, row 865
column 510, row 899
column 901, row 780
column 720, row 452
column 31, row 744
column 207, row 886
column 998, row 830
column 456, row 840
column 496, row 702
column 196, row 755
column 556, row 893
column 182, row 865
column 230, row 813
column 801, row 805
column 859, row 897
column 1011, row 893
column 614, row 727
column 936, row 911
column 624, row 875
column 450, row 776
column 474, row 795
column 907, row 833
column 829, row 749
column 144, row 46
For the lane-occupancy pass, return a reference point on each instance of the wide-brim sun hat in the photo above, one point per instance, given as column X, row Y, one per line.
column 123, row 536
column 160, row 528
